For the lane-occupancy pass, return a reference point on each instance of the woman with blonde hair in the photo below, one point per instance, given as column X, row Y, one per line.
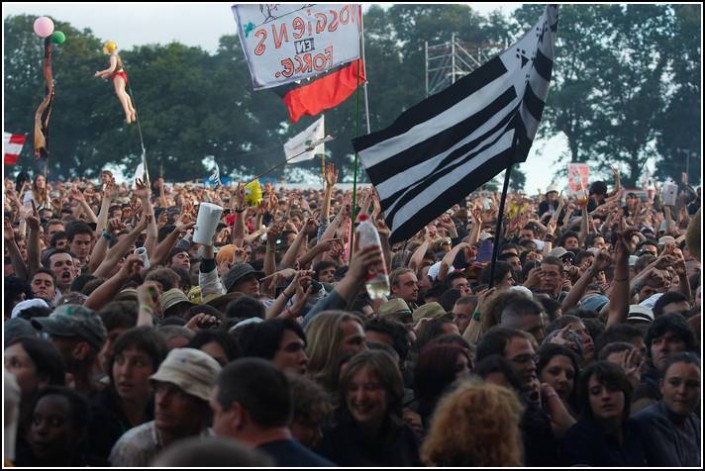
column 116, row 72
column 475, row 425
column 330, row 335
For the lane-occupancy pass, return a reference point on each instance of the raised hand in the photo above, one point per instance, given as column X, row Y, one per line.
column 141, row 191
column 115, row 225
column 274, row 231
column 8, row 230
column 331, row 175
column 533, row 280
column 77, row 195
column 311, row 225
column 365, row 260
column 382, row 228
column 202, row 321
column 33, row 220
column 163, row 219
column 110, row 191
column 336, row 250
column 561, row 338
column 184, row 223
column 144, row 222
column 602, row 261
column 148, row 293
column 132, row 266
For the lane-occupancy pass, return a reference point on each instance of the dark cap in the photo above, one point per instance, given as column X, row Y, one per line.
column 238, row 272
column 16, row 328
column 72, row 320
column 221, row 302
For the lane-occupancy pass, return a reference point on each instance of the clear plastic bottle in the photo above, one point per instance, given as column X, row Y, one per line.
column 377, row 283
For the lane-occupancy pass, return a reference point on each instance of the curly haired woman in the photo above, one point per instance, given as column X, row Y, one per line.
column 475, row 425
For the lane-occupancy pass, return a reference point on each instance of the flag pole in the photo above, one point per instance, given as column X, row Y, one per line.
column 312, row 146
column 367, row 101
column 143, row 157
column 360, row 64
column 323, row 170
column 500, row 217
column 323, row 161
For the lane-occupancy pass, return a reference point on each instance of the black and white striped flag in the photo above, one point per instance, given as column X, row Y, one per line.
column 443, row 148
column 214, row 179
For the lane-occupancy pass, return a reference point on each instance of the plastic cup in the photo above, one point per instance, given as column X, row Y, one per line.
column 206, row 223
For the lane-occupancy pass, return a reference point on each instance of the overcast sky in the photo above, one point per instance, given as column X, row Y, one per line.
column 202, row 24
column 130, row 24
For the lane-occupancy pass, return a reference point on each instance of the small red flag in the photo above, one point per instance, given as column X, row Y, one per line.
column 12, row 147
column 326, row 92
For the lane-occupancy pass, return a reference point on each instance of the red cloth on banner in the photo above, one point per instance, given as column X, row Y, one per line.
column 324, row 93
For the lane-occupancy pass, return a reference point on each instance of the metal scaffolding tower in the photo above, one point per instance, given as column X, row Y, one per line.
column 452, row 60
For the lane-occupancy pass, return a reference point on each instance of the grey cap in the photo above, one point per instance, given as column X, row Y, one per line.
column 16, row 328
column 72, row 320
column 561, row 252
column 238, row 272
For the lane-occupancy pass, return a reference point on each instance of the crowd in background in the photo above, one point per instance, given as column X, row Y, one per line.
column 123, row 337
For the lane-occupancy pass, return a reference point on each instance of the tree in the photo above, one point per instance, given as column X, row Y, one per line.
column 613, row 82
column 76, row 90
column 517, row 180
column 680, row 136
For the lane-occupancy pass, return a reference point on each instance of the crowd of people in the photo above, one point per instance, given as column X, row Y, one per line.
column 127, row 344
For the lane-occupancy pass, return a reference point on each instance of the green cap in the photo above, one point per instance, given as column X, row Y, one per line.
column 74, row 321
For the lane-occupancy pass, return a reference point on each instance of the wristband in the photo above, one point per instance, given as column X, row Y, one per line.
column 239, row 210
column 476, row 315
column 286, row 295
column 621, row 279
column 106, row 235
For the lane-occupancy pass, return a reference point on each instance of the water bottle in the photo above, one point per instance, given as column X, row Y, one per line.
column 377, row 282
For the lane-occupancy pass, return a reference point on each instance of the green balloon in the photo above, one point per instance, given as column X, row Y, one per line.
column 58, row 37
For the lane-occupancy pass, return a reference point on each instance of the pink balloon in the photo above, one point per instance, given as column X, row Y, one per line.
column 43, row 26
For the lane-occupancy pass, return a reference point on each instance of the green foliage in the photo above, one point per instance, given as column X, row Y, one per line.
column 517, row 180
column 625, row 83
column 626, row 87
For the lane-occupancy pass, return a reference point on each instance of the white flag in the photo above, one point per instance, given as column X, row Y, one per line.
column 308, row 144
column 286, row 42
column 139, row 175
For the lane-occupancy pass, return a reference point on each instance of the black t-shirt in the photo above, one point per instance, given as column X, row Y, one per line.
column 348, row 445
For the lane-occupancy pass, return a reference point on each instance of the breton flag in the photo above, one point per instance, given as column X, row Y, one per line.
column 443, row 148
column 214, row 179
column 307, row 144
column 12, row 147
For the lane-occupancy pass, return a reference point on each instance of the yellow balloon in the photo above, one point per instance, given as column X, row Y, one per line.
column 253, row 193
